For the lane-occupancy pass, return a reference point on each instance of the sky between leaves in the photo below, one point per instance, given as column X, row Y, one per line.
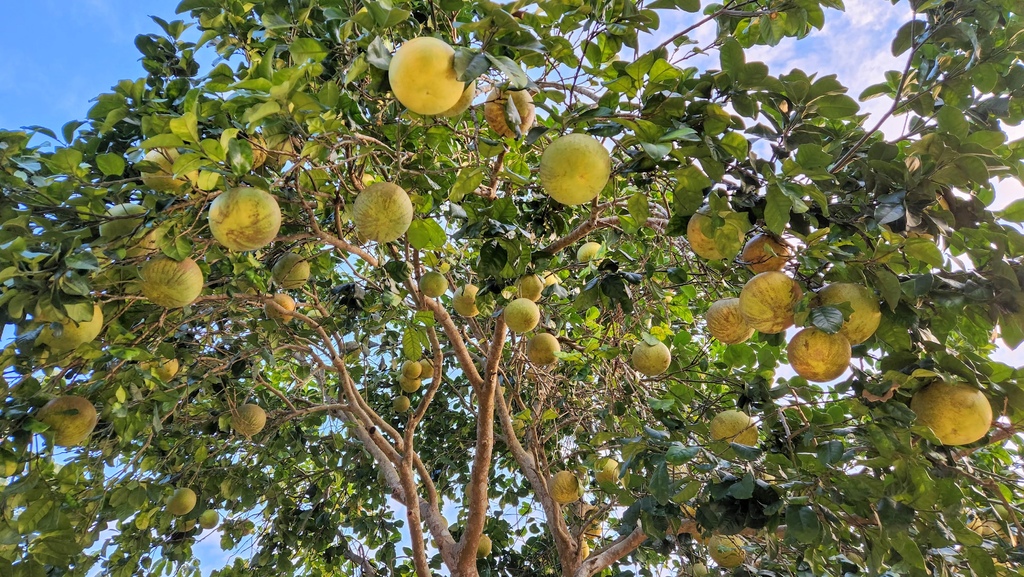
column 59, row 54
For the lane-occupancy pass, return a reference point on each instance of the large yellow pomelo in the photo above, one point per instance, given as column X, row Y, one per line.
column 73, row 334
column 725, row 322
column 574, row 169
column 71, row 419
column 426, row 369
column 587, row 252
column 123, row 220
column 181, row 502
column 164, row 369
column 409, row 385
column 607, row 471
column 433, row 284
column 422, row 76
column 542, row 348
column 494, row 111
column 464, row 101
column 209, row 519
column 411, row 369
column 530, row 287
column 464, row 300
column 291, row 271
column 767, row 302
column 727, row 550
column 957, row 413
column 171, row 284
column 651, row 360
column 401, row 404
column 734, row 427
column 382, row 212
column 763, row 253
column 565, row 487
column 162, row 179
column 248, row 419
column 701, row 236
column 522, row 315
column 245, row 218
column 866, row 316
column 818, row 356
column 483, row 548
column 284, row 301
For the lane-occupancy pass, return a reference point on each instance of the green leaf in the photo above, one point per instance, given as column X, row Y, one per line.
column 426, row 234
column 905, row 36
column 639, row 207
column 731, row 55
column 888, row 285
column 466, row 182
column 185, row 127
column 924, row 250
column 827, row 319
column 378, row 55
column 830, row 452
column 661, row 484
column 239, row 156
column 777, row 208
column 910, row 551
column 802, row 524
column 307, row 49
column 735, row 144
column 836, row 106
column 110, row 164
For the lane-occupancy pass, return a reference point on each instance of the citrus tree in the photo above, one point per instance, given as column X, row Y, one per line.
column 469, row 288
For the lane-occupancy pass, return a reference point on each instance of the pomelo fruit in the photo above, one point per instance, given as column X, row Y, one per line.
column 464, row 300
column 162, row 179
column 574, row 169
column 701, row 236
column 494, row 112
column 422, row 76
column 433, row 284
column 411, row 369
column 542, row 348
column 401, row 404
column 763, row 252
column 818, row 356
column 124, row 220
column 426, row 369
column 699, row 570
column 181, row 502
column 409, row 385
column 245, row 218
column 71, row 419
column 73, row 334
column 989, row 528
column 725, row 322
column 171, row 284
column 551, row 278
column 248, row 419
column 9, row 466
column 382, row 212
column 291, row 271
column 464, row 101
column 209, row 519
column 530, row 287
column 483, row 548
column 284, row 301
column 957, row 413
column 767, row 302
column 587, row 252
column 565, row 487
column 163, row 369
column 734, row 426
column 727, row 550
column 522, row 315
column 866, row 316
column 607, row 471
column 651, row 360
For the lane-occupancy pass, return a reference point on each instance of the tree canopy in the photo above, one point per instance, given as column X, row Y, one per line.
column 308, row 298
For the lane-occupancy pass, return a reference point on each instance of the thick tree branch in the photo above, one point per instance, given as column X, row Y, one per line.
column 617, row 550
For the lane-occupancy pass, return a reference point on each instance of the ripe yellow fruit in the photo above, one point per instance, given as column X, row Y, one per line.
column 382, row 212
column 866, row 316
column 989, row 528
column 725, row 322
column 411, row 369
column 73, row 334
column 284, row 301
column 426, row 369
column 171, row 284
column 162, row 179
column 291, row 271
column 542, row 348
column 181, row 502
column 522, row 315
column 71, row 419
column 409, row 385
column 164, row 369
column 727, row 550
column 607, row 471
column 551, row 278
column 464, row 101
column 699, row 570
column 767, row 302
column 401, row 404
column 483, row 548
column 494, row 111
column 574, row 169
column 565, row 487
column 585, row 549
column 702, row 244
column 121, row 225
column 763, row 253
column 818, row 356
column 248, row 419
column 245, row 218
column 957, row 413
column 433, row 284
column 587, row 252
column 530, row 287
column 209, row 519
column 464, row 300
column 651, row 360
column 734, row 427
column 422, row 76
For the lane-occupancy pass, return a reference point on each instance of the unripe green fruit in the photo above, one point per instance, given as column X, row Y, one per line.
column 382, row 212
column 171, row 284
column 209, row 519
column 522, row 315
column 411, row 369
column 651, row 360
column 734, row 427
column 73, row 334
column 71, row 419
column 248, row 420
column 401, row 404
column 291, row 271
column 121, row 226
column 483, row 548
column 245, row 218
column 433, row 284
column 464, row 301
column 181, row 502
column 542, row 348
column 530, row 287
column 587, row 252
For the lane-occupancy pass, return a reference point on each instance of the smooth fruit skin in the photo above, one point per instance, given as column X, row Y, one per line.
column 171, row 284
column 818, row 356
column 530, row 287
column 767, row 302
column 494, row 112
column 866, row 315
column 163, row 178
column 725, row 322
column 284, row 301
column 248, row 419
column 483, row 548
column 209, row 519
column 957, row 413
column 433, row 284
column 587, row 252
column 411, row 369
column 607, row 471
column 651, row 360
column 464, row 301
column 574, row 169
column 734, row 427
column 542, row 348
column 71, row 419
column 522, row 315
column 382, row 212
column 291, row 271
column 426, row 369
column 245, row 218
column 464, row 102
column 700, row 243
column 409, row 385
column 120, row 225
column 727, row 550
column 181, row 502
column 763, row 253
column 422, row 76
column 565, row 487
column 73, row 334
column 401, row 404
